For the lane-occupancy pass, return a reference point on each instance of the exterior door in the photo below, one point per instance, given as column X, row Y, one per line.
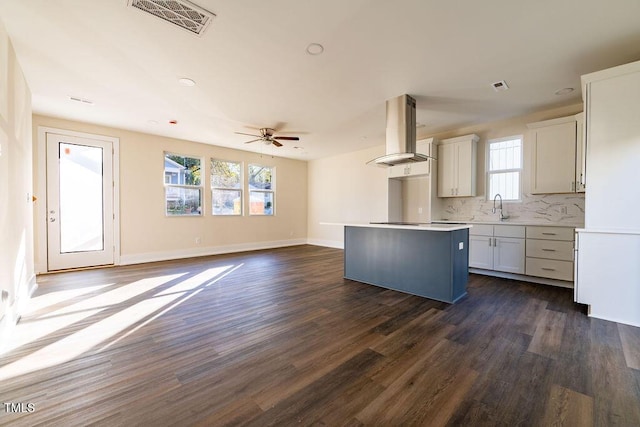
column 80, row 216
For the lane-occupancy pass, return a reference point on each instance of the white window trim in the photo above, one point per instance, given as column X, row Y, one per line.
column 191, row 187
column 488, row 172
column 272, row 190
column 241, row 189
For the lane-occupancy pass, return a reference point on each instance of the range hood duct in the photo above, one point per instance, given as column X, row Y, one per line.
column 401, row 134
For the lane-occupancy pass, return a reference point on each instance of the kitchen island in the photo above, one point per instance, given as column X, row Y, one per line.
column 428, row 260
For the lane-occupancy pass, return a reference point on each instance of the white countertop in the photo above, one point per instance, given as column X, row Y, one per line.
column 421, row 227
column 508, row 222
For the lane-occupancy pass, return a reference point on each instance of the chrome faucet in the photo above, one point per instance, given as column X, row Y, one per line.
column 502, row 215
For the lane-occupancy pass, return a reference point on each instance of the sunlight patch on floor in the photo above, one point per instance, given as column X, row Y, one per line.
column 83, row 341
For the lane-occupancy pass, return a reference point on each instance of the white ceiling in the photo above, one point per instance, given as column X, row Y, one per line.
column 251, row 67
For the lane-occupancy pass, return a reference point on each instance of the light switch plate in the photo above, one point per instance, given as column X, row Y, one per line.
column 460, row 246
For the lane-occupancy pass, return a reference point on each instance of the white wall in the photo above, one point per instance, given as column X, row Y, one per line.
column 148, row 235
column 17, row 279
column 343, row 189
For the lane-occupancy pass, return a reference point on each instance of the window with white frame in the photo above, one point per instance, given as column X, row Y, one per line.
column 504, row 168
column 182, row 185
column 261, row 190
column 226, row 187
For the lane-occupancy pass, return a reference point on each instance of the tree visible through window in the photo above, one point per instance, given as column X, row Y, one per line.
column 226, row 187
column 182, row 183
column 261, row 190
column 504, row 167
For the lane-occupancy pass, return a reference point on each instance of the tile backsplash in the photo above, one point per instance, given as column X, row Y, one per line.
column 544, row 209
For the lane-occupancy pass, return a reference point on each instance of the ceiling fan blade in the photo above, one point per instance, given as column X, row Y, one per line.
column 253, row 140
column 276, row 143
column 248, row 134
column 287, row 138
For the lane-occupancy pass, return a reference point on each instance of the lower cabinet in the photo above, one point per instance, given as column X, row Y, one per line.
column 497, row 247
column 550, row 252
column 539, row 251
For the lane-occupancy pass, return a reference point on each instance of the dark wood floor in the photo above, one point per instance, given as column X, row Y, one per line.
column 280, row 338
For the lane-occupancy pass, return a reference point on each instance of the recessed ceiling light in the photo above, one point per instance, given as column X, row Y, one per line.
column 315, row 49
column 564, row 91
column 152, row 122
column 186, row 82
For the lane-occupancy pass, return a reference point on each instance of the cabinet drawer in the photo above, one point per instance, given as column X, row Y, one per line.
column 552, row 269
column 481, row 230
column 550, row 249
column 509, row 231
column 550, row 233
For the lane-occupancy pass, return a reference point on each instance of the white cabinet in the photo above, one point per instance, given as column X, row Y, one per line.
column 608, row 276
column 550, row 252
column 423, row 146
column 497, row 247
column 553, row 156
column 457, row 166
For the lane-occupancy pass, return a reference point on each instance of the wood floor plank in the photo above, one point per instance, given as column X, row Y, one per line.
column 567, row 408
column 630, row 338
column 279, row 337
column 547, row 337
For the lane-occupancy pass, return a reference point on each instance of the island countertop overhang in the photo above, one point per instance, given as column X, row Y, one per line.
column 420, row 227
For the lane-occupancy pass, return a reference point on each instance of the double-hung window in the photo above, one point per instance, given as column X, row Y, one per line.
column 226, row 187
column 182, row 185
column 504, row 168
column 261, row 190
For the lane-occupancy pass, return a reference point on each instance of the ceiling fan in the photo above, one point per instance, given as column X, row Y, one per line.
column 266, row 135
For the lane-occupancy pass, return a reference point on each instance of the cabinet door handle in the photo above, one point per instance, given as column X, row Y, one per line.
column 548, row 250
column 573, row 186
column 549, row 234
column 490, row 242
column 548, row 269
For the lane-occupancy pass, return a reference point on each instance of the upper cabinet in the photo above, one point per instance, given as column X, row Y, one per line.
column 423, row 146
column 457, row 166
column 554, row 156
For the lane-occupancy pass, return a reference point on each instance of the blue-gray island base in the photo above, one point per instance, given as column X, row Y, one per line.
column 427, row 263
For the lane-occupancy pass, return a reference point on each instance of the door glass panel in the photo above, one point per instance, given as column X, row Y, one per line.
column 81, row 198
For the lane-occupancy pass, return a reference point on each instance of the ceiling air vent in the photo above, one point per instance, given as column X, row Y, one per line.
column 182, row 13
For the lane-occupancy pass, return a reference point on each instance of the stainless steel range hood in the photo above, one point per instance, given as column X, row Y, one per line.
column 401, row 134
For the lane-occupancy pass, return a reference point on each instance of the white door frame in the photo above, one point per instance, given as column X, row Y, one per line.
column 41, row 264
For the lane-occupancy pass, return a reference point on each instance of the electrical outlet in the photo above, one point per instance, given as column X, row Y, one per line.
column 563, row 210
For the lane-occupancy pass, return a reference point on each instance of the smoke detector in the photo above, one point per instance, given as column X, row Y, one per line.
column 181, row 13
column 500, row 86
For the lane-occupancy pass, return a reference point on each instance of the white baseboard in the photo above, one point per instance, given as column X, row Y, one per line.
column 327, row 243
column 205, row 251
